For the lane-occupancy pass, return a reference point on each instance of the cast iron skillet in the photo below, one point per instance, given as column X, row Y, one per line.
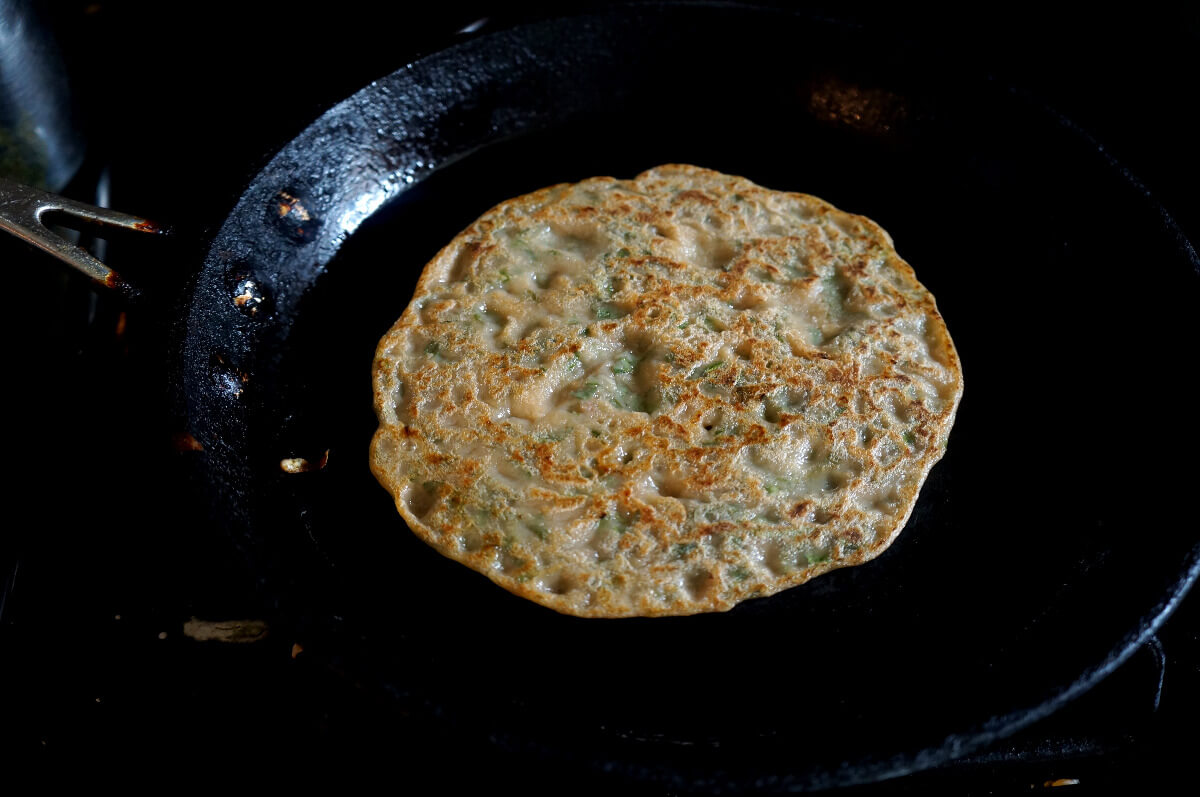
column 1045, row 547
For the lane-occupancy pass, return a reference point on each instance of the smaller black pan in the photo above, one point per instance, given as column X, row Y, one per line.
column 1045, row 547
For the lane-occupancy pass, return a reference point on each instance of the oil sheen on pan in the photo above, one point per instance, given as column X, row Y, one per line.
column 664, row 395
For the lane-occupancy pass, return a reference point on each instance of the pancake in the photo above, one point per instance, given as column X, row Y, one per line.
column 664, row 395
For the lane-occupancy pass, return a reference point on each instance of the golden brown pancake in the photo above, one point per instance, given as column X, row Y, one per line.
column 663, row 395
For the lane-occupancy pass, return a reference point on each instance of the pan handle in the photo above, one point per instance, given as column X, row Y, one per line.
column 21, row 213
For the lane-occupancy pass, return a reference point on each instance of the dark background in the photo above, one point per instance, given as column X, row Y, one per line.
column 103, row 561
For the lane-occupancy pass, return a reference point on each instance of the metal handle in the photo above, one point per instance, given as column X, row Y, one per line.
column 21, row 213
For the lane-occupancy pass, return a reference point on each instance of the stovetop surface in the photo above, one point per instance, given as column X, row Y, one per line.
column 109, row 567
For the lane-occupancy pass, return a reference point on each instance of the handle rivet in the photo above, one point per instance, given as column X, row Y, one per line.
column 249, row 296
column 290, row 215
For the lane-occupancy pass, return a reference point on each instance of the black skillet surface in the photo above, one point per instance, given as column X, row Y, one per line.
column 1044, row 547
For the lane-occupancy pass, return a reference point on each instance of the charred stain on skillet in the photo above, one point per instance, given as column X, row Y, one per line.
column 184, row 442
